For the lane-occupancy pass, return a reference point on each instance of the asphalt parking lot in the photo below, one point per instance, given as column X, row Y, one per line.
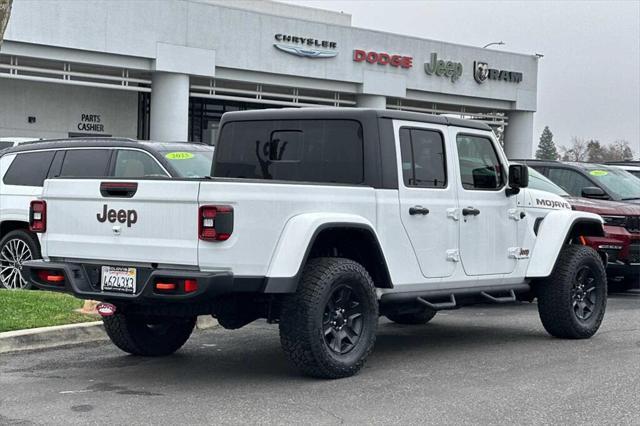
column 480, row 365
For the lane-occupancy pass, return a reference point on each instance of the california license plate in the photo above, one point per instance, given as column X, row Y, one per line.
column 119, row 279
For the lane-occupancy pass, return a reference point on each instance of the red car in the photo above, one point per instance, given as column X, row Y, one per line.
column 621, row 242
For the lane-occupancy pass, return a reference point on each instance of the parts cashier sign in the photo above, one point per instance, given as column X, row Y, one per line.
column 91, row 123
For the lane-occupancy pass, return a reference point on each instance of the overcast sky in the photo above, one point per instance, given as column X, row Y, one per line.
column 589, row 78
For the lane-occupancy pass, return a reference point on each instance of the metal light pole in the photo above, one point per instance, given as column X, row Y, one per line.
column 497, row 43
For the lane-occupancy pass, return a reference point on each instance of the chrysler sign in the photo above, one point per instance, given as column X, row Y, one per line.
column 306, row 47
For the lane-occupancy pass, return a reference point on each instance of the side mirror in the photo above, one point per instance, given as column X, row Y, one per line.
column 594, row 192
column 518, row 178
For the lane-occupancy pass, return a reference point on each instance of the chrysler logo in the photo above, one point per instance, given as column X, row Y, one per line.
column 305, row 51
column 306, row 47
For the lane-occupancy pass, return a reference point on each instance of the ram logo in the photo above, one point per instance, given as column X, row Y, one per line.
column 480, row 71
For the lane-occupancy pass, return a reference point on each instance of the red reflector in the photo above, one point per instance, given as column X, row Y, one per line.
column 222, row 236
column 190, row 286
column 50, row 277
column 165, row 286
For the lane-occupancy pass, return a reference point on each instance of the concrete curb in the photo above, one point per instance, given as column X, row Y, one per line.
column 70, row 334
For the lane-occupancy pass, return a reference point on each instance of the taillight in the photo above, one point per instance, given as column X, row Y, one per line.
column 38, row 216
column 215, row 223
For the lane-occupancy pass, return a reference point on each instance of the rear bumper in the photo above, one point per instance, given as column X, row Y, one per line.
column 79, row 282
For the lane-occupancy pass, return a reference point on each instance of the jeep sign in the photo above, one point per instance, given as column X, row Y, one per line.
column 439, row 67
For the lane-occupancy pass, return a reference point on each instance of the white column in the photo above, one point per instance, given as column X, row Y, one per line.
column 371, row 101
column 518, row 135
column 169, row 107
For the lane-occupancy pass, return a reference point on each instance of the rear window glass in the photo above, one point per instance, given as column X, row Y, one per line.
column 190, row 163
column 85, row 163
column 4, row 145
column 327, row 151
column 29, row 169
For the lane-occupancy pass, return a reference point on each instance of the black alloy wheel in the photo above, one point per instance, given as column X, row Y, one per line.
column 342, row 320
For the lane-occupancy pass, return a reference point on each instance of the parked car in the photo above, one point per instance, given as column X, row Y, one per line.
column 24, row 168
column 320, row 220
column 9, row 142
column 597, row 181
column 621, row 242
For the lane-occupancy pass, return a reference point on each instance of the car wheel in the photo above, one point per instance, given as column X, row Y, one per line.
column 328, row 327
column 16, row 248
column 572, row 301
column 139, row 335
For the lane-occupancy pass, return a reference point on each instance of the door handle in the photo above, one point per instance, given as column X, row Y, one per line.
column 418, row 210
column 470, row 211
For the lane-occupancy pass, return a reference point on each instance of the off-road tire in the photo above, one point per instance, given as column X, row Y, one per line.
column 303, row 320
column 31, row 241
column 139, row 336
column 555, row 299
column 415, row 318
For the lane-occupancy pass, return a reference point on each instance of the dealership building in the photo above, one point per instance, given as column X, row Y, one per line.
column 168, row 70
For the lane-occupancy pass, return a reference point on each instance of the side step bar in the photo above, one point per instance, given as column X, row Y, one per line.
column 509, row 299
column 441, row 305
column 477, row 294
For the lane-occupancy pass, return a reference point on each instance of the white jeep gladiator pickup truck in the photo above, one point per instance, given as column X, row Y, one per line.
column 321, row 220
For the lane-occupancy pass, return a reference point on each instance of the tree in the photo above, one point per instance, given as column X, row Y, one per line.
column 5, row 12
column 546, row 148
column 576, row 152
column 620, row 151
column 596, row 153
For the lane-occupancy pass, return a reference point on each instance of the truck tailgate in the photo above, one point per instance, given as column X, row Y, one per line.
column 158, row 224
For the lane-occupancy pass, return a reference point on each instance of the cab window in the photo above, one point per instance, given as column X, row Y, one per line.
column 423, row 158
column 135, row 164
column 480, row 168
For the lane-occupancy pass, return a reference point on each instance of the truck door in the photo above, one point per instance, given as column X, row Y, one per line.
column 427, row 196
column 488, row 218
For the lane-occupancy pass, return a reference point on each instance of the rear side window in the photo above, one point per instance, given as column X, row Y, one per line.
column 327, row 151
column 85, row 163
column 136, row 164
column 423, row 158
column 569, row 180
column 29, row 169
column 480, row 168
column 4, row 145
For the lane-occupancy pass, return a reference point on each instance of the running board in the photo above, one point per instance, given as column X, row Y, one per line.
column 458, row 297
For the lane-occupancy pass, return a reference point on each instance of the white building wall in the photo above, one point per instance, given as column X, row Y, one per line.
column 58, row 109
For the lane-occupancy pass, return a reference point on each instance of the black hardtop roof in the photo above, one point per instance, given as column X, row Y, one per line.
column 360, row 114
column 99, row 142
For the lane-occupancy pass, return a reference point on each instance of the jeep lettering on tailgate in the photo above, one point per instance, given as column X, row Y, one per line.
column 122, row 216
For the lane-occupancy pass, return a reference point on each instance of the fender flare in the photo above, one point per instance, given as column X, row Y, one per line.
column 295, row 243
column 553, row 233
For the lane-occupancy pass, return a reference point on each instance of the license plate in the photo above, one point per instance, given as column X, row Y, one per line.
column 119, row 279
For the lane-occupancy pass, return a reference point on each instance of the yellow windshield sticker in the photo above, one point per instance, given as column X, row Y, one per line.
column 598, row 172
column 179, row 155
